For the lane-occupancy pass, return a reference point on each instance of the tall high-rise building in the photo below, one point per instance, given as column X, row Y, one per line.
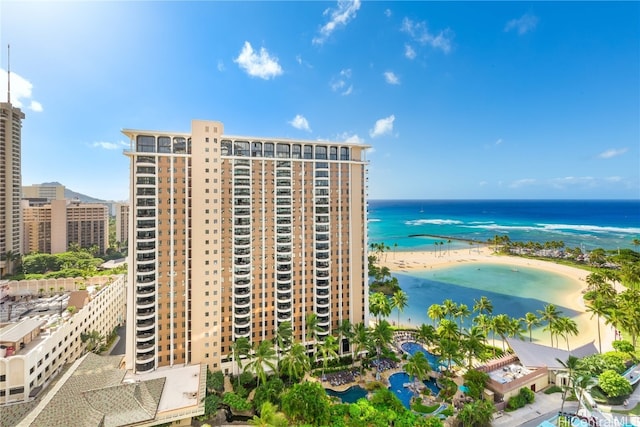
column 10, row 184
column 231, row 236
column 122, row 224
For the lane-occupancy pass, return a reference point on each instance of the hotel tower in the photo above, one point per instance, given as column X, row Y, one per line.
column 10, row 184
column 230, row 236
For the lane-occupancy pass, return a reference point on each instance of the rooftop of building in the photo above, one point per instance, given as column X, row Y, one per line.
column 98, row 391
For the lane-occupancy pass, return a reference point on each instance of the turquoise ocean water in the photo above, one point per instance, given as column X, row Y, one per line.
column 411, row 225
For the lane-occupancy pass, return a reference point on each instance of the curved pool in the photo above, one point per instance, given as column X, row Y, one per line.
column 350, row 395
column 396, row 385
column 413, row 347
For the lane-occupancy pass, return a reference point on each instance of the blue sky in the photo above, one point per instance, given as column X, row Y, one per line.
column 458, row 100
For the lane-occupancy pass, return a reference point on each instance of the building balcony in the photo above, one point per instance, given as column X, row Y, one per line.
column 283, row 258
column 283, row 230
column 147, row 258
column 145, row 325
column 242, row 241
column 145, row 358
column 283, row 183
column 285, row 249
column 242, row 212
column 240, row 322
column 242, row 332
column 283, row 221
column 145, row 347
column 284, row 296
column 242, row 312
column 322, row 264
column 322, row 228
column 144, row 314
column 322, row 292
column 145, row 248
column 322, row 302
column 322, row 255
column 145, row 236
column 284, row 306
column 146, row 268
column 145, row 336
column 242, row 282
column 242, row 302
column 143, row 368
column 241, row 182
column 283, row 278
column 284, row 316
column 322, row 274
column 242, row 202
column 322, row 237
column 323, row 320
column 242, row 272
column 143, row 303
column 244, row 231
column 146, row 213
column 284, row 268
column 283, row 239
column 239, row 292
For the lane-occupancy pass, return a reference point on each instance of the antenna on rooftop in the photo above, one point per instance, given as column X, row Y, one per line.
column 9, row 73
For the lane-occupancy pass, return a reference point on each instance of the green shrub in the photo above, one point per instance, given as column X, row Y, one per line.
column 553, row 389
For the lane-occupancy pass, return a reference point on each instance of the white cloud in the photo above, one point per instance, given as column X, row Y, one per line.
column 522, row 25
column 300, row 122
column 522, row 182
column 220, row 65
column 391, row 78
column 387, row 13
column 419, row 32
column 409, row 52
column 260, row 65
column 21, row 92
column 340, row 83
column 350, row 138
column 110, row 145
column 382, row 127
column 499, row 141
column 341, row 16
column 612, row 153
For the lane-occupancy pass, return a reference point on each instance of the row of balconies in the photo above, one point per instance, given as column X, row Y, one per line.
column 146, row 202
column 142, row 368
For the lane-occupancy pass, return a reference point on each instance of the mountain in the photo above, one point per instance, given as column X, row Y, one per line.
column 70, row 194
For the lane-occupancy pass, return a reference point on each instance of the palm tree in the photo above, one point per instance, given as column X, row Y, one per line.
column 312, row 326
column 269, row 417
column 582, row 382
column 283, row 336
column 531, row 320
column 484, row 322
column 399, row 300
column 435, row 313
column 329, row 350
column 549, row 315
column 515, row 329
column 360, row 339
column 379, row 305
column 263, row 354
column 571, row 365
column 448, row 329
column 295, row 362
column 381, row 337
column 449, row 308
column 344, row 331
column 599, row 308
column 473, row 344
column 426, row 334
column 417, row 367
column 483, row 305
column 240, row 348
column 461, row 312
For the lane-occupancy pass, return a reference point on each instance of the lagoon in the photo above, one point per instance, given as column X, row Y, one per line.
column 513, row 291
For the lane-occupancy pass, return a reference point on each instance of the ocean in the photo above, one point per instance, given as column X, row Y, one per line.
column 418, row 225
column 587, row 224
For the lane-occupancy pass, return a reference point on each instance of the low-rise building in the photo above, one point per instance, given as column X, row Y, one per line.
column 43, row 333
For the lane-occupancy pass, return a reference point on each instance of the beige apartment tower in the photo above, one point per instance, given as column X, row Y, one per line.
column 51, row 228
column 122, row 224
column 231, row 236
column 10, row 185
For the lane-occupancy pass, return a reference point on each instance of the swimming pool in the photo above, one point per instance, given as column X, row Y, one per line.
column 396, row 385
column 350, row 395
column 413, row 347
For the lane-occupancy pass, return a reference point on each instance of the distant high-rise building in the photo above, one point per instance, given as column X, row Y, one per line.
column 122, row 223
column 10, row 185
column 56, row 226
column 43, row 191
column 231, row 236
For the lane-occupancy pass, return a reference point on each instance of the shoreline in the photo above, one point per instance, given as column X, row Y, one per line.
column 407, row 261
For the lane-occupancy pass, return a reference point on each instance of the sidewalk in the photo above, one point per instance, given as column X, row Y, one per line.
column 542, row 405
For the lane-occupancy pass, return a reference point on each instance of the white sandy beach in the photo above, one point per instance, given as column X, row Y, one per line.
column 401, row 261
